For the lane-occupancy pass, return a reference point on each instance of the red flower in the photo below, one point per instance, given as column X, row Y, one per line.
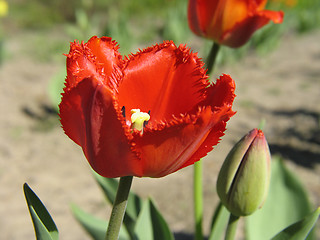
column 229, row 22
column 188, row 115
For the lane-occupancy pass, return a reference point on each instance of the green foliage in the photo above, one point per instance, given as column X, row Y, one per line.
column 176, row 23
column 44, row 225
column 219, row 222
column 55, row 88
column 151, row 225
column 287, row 202
column 95, row 227
column 118, row 27
column 302, row 17
column 109, row 187
column 38, row 14
column 142, row 219
column 2, row 52
column 267, row 38
column 299, row 230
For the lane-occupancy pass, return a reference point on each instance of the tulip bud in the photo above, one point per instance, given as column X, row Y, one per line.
column 243, row 181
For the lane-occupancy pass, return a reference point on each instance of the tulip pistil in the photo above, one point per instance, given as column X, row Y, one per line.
column 138, row 119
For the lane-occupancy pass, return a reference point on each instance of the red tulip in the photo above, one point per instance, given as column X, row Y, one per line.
column 229, row 22
column 188, row 115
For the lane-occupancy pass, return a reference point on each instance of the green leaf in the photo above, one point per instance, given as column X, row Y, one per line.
column 94, row 226
column 287, row 202
column 299, row 230
column 44, row 225
column 55, row 88
column 109, row 187
column 151, row 225
column 219, row 222
column 143, row 228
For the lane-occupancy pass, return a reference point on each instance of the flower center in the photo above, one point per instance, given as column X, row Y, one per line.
column 138, row 119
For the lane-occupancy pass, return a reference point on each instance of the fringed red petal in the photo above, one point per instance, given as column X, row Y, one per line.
column 165, row 150
column 214, row 136
column 220, row 97
column 221, row 93
column 164, row 80
column 74, row 108
column 186, row 138
column 112, row 151
column 98, row 58
column 89, row 118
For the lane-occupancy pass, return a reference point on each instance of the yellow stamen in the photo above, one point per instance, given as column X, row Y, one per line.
column 138, row 118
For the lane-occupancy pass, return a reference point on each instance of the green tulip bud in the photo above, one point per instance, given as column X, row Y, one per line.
column 244, row 178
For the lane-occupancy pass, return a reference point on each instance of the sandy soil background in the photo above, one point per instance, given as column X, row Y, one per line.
column 283, row 88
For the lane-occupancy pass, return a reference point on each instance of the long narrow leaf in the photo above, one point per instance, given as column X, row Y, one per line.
column 219, row 222
column 151, row 224
column 43, row 223
column 299, row 230
column 287, row 202
column 94, row 226
column 109, row 187
column 143, row 228
column 160, row 227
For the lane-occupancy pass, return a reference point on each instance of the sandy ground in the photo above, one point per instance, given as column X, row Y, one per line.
column 282, row 88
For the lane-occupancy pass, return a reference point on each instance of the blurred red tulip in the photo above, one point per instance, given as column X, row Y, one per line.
column 229, row 22
column 188, row 115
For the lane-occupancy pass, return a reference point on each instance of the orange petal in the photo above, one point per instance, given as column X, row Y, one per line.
column 201, row 15
column 97, row 58
column 89, row 118
column 164, row 80
column 229, row 22
column 241, row 32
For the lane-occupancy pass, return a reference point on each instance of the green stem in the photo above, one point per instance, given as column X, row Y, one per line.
column 119, row 208
column 211, row 59
column 198, row 201
column 232, row 227
column 197, row 179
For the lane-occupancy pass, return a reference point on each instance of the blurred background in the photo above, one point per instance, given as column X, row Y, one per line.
column 277, row 75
